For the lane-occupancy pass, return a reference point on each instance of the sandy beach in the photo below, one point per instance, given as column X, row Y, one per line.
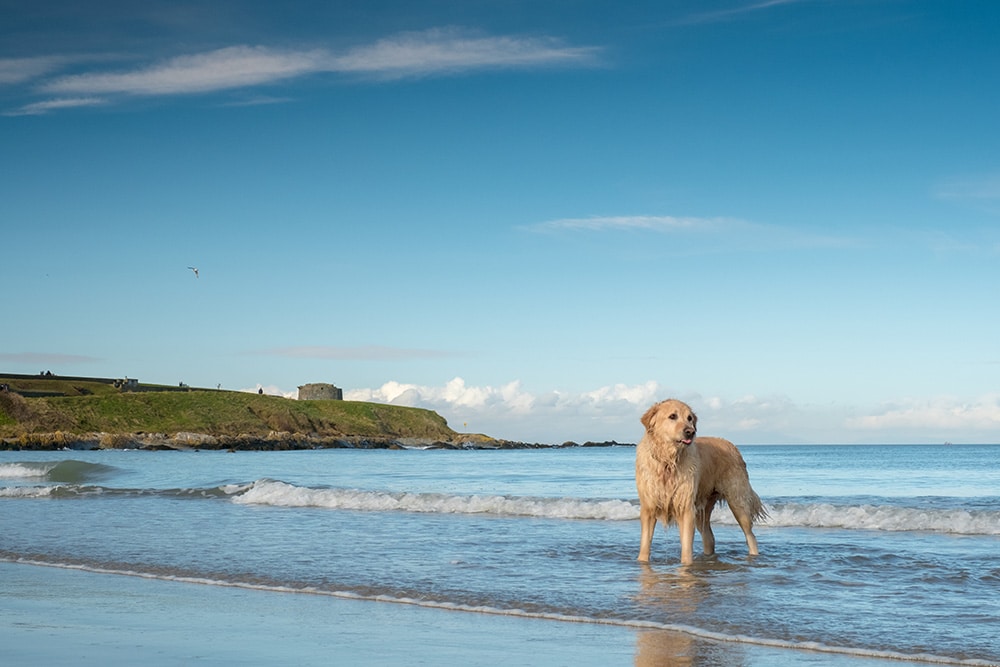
column 57, row 616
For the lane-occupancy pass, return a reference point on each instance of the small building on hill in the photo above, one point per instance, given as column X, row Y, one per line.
column 320, row 391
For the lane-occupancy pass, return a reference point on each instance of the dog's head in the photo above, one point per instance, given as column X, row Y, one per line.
column 672, row 422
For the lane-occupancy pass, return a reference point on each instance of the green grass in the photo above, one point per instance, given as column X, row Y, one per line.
column 103, row 409
column 57, row 385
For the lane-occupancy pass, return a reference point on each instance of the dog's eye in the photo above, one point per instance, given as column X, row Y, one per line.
column 674, row 416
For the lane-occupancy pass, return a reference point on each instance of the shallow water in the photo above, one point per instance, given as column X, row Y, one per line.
column 877, row 551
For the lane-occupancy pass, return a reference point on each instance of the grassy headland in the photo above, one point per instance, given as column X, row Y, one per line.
column 50, row 412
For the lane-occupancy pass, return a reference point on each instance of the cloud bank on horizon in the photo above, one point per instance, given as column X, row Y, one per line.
column 612, row 413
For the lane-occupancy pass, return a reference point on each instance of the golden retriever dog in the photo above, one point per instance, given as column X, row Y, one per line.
column 680, row 478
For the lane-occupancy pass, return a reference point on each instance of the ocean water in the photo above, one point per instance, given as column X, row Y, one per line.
column 879, row 551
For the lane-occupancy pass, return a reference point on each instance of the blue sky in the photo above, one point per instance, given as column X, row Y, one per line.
column 536, row 218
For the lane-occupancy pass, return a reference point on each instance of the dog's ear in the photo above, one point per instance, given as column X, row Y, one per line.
column 647, row 419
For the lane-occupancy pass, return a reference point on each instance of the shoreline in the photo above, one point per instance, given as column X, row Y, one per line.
column 276, row 441
column 68, row 616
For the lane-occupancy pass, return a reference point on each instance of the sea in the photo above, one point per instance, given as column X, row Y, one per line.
column 887, row 552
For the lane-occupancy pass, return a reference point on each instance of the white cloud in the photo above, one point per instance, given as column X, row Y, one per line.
column 641, row 394
column 39, row 108
column 937, row 418
column 455, row 393
column 230, row 67
column 612, row 413
column 509, row 411
column 437, row 51
column 271, row 390
column 450, row 50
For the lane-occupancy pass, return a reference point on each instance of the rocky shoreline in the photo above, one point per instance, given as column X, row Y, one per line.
column 274, row 441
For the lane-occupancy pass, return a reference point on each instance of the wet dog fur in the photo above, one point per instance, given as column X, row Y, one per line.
column 680, row 478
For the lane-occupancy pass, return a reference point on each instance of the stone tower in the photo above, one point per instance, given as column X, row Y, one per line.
column 320, row 391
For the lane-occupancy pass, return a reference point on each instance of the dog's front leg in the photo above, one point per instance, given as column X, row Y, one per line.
column 685, row 526
column 647, row 517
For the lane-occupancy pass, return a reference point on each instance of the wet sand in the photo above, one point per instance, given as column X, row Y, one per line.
column 55, row 616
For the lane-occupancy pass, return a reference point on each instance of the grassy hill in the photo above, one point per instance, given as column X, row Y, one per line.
column 35, row 411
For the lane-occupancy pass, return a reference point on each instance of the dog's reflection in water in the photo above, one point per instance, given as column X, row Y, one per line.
column 679, row 594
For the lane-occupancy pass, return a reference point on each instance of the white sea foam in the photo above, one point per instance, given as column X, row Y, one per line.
column 266, row 492
column 26, row 470
column 818, row 515
column 885, row 518
column 26, row 491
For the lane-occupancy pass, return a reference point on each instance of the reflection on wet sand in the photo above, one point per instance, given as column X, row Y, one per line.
column 680, row 592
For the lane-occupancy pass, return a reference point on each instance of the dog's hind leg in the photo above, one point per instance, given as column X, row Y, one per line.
column 705, row 528
column 745, row 519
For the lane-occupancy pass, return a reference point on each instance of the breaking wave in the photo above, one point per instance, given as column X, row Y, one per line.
column 281, row 494
column 66, row 472
column 958, row 521
column 953, row 520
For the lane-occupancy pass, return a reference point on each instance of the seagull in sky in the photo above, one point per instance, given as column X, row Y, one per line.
column 195, row 271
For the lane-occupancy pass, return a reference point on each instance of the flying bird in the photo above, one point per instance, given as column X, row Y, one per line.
column 195, row 271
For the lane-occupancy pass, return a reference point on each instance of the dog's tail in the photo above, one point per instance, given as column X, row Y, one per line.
column 757, row 510
column 747, row 499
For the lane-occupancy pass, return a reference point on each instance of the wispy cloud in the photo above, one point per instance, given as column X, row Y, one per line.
column 30, row 69
column 980, row 191
column 453, row 50
column 231, row 67
column 39, row 108
column 258, row 100
column 44, row 358
column 20, row 70
column 432, row 52
column 360, row 353
column 725, row 233
column 661, row 223
column 734, row 12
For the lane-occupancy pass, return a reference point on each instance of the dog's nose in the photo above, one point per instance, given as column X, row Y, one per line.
column 689, row 433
